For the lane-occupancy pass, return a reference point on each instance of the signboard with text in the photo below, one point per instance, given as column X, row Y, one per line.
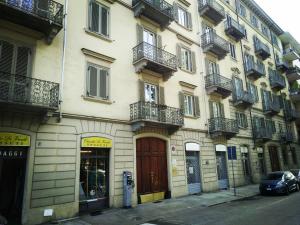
column 96, row 142
column 14, row 139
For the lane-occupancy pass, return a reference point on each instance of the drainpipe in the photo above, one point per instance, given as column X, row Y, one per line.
column 63, row 59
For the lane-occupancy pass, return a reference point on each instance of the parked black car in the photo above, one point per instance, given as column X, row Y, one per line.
column 296, row 173
column 280, row 182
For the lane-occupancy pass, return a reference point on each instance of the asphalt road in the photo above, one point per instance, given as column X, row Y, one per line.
column 258, row 210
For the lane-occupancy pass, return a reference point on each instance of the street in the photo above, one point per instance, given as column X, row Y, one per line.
column 258, row 210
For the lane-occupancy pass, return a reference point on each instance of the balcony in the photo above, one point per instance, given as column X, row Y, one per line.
column 262, row 134
column 212, row 43
column 242, row 99
column 271, row 107
column 289, row 54
column 158, row 11
column 234, row 30
column 255, row 71
column 149, row 114
column 277, row 81
column 211, row 10
column 286, row 137
column 222, row 127
column 45, row 17
column 217, row 84
column 146, row 56
column 292, row 115
column 28, row 94
column 282, row 66
column 295, row 95
column 262, row 50
column 293, row 74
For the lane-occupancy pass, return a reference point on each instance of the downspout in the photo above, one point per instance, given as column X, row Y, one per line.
column 63, row 59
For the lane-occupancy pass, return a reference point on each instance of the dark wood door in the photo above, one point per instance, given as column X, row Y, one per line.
column 151, row 166
column 274, row 158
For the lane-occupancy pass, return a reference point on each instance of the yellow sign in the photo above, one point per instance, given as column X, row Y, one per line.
column 13, row 139
column 96, row 142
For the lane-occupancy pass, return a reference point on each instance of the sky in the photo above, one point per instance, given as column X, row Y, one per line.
column 286, row 13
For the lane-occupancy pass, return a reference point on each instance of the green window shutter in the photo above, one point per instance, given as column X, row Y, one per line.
column 139, row 33
column 23, row 61
column 197, row 107
column 94, row 16
column 159, row 41
column 256, row 94
column 161, row 95
column 104, row 20
column 246, row 120
column 6, row 56
column 222, row 110
column 92, row 81
column 181, row 101
column 211, row 110
column 193, row 62
column 189, row 21
column 237, row 117
column 142, row 90
column 175, row 11
column 179, row 58
column 104, row 84
column 273, row 127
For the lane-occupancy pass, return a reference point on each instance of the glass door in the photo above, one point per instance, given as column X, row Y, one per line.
column 150, row 47
column 151, row 99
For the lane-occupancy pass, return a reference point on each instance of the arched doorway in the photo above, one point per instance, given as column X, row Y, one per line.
column 151, row 163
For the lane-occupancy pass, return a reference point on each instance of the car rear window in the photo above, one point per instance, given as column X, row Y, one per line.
column 274, row 176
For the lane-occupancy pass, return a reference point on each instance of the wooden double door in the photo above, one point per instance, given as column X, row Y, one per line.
column 151, row 166
column 274, row 158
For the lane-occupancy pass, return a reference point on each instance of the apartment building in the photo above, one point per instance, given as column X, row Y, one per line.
column 189, row 96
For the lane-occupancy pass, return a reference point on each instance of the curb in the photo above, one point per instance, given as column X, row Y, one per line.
column 235, row 200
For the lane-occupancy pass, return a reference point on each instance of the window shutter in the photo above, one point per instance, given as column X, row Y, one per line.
column 222, row 110
column 218, row 69
column 189, row 21
column 207, row 67
column 193, row 62
column 92, row 81
column 273, row 127
column 23, row 59
column 245, row 120
column 181, row 101
column 159, row 42
column 139, row 32
column 211, row 110
column 237, row 117
column 142, row 90
column 161, row 95
column 197, row 107
column 104, row 21
column 104, row 84
column 256, row 94
column 6, row 56
column 175, row 11
column 178, row 51
column 94, row 16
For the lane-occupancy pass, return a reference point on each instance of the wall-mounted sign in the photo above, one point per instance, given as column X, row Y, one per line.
column 14, row 139
column 221, row 148
column 12, row 154
column 192, row 147
column 96, row 142
column 260, row 150
column 244, row 149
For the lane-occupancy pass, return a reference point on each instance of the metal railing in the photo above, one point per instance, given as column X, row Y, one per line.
column 257, row 67
column 272, row 104
column 50, row 10
column 262, row 133
column 152, row 53
column 292, row 114
column 258, row 45
column 30, row 91
column 221, row 124
column 289, row 50
column 243, row 96
column 276, row 79
column 294, row 69
column 149, row 111
column 161, row 5
column 219, row 81
column 234, row 24
column 212, row 3
column 286, row 136
column 212, row 38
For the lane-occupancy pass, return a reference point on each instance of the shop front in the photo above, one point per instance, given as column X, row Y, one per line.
column 94, row 174
column 13, row 156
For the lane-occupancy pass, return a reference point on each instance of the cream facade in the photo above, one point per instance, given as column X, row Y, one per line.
column 155, row 90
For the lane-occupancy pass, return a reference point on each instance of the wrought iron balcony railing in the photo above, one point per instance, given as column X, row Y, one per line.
column 159, row 10
column 219, row 84
column 211, row 42
column 234, row 29
column 163, row 60
column 242, row 98
column 262, row 49
column 271, row 106
column 223, row 126
column 277, row 81
column 151, row 112
column 290, row 54
column 292, row 114
column 22, row 90
column 262, row 133
column 255, row 70
column 286, row 137
column 293, row 73
column 211, row 9
column 281, row 65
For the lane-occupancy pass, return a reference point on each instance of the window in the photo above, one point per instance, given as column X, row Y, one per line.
column 183, row 17
column 189, row 104
column 265, row 31
column 273, row 127
column 232, row 50
column 253, row 90
column 274, row 40
column 151, row 93
column 97, row 82
column 246, row 34
column 254, row 20
column 186, row 58
column 241, row 119
column 242, row 10
column 98, row 18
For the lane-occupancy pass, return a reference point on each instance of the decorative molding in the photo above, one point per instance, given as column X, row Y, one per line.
column 270, row 63
column 188, row 85
column 186, row 3
column 110, row 1
column 235, row 71
column 97, row 55
column 247, row 47
column 264, row 84
column 185, row 39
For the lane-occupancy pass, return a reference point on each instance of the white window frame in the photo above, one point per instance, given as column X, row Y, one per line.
column 186, row 58
column 182, row 17
column 189, row 107
column 240, row 119
column 98, row 67
column 156, row 92
column 232, row 50
column 100, row 19
column 242, row 10
column 254, row 21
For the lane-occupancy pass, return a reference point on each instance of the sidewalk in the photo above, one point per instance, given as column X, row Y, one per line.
column 152, row 211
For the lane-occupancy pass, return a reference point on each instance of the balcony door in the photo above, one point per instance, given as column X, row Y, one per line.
column 216, row 112
column 151, row 99
column 238, row 86
column 15, row 65
column 249, row 61
column 150, row 47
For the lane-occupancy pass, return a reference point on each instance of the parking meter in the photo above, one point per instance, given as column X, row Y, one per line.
column 128, row 185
